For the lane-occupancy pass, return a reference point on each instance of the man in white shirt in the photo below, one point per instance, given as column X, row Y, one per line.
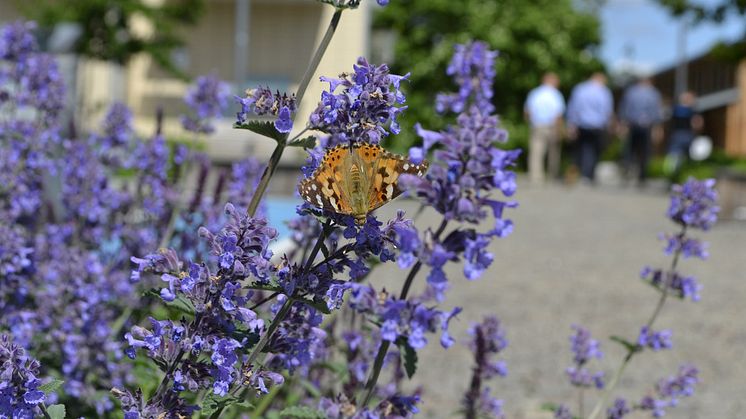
column 544, row 109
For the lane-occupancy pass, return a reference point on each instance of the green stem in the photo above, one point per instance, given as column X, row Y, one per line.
column 632, row 351
column 44, row 412
column 270, row 331
column 274, row 160
column 314, row 64
column 370, row 385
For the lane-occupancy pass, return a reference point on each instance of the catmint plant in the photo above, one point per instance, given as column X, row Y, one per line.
column 487, row 339
column 693, row 206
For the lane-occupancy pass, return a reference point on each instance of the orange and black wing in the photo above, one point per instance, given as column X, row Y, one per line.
column 325, row 188
column 385, row 177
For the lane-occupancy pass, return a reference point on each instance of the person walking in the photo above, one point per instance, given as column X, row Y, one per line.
column 589, row 113
column 684, row 123
column 544, row 109
column 640, row 113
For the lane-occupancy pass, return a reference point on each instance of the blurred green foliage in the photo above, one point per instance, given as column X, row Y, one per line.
column 532, row 36
column 107, row 30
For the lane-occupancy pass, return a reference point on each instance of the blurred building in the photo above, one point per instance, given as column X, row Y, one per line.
column 721, row 90
column 244, row 42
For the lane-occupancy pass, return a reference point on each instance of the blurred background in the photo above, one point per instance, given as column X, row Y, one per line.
column 145, row 52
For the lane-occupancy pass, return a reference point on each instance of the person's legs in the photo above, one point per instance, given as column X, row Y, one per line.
column 587, row 147
column 642, row 135
column 628, row 154
column 555, row 154
column 596, row 139
column 536, row 152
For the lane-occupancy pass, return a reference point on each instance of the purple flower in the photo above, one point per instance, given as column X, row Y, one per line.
column 117, row 126
column 207, row 99
column 654, row 340
column 562, row 412
column 582, row 377
column 669, row 391
column 40, row 85
column 17, row 40
column 687, row 246
column 583, row 346
column 584, row 349
column 473, row 69
column 682, row 286
column 618, row 410
column 370, row 99
column 18, row 381
column 262, row 102
column 487, row 340
column 694, row 204
column 224, row 359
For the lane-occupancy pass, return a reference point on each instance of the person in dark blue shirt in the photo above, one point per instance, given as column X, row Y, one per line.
column 684, row 123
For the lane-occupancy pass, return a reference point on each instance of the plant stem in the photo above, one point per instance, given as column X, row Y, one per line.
column 370, row 385
column 264, row 300
column 274, row 160
column 44, row 412
column 314, row 64
column 632, row 351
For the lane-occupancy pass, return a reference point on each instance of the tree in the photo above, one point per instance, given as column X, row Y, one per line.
column 532, row 37
column 106, row 26
column 713, row 12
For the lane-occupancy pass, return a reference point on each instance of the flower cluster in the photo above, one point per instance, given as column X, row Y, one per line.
column 19, row 382
column 370, row 98
column 213, row 293
column 70, row 222
column 694, row 204
column 405, row 319
column 261, row 101
column 473, row 68
column 207, row 100
column 654, row 340
column 487, row 340
column 468, row 169
column 584, row 349
column 668, row 391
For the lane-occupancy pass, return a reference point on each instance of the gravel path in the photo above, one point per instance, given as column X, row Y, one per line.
column 574, row 258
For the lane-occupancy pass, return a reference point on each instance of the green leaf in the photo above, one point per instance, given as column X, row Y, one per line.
column 56, row 411
column 410, row 356
column 301, row 412
column 306, row 142
column 549, row 407
column 51, row 386
column 631, row 347
column 212, row 403
column 265, row 128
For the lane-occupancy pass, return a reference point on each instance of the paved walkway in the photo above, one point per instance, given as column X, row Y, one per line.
column 574, row 258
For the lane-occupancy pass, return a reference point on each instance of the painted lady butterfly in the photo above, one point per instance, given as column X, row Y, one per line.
column 357, row 179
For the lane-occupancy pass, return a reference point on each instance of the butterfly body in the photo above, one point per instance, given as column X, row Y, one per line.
column 356, row 179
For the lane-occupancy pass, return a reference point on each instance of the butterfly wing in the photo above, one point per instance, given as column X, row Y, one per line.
column 385, row 176
column 325, row 188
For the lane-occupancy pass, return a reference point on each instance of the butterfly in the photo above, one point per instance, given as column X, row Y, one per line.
column 356, row 179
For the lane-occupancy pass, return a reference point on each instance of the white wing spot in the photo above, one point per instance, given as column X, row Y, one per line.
column 419, row 173
column 318, row 199
column 389, row 191
column 406, row 166
column 314, row 187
